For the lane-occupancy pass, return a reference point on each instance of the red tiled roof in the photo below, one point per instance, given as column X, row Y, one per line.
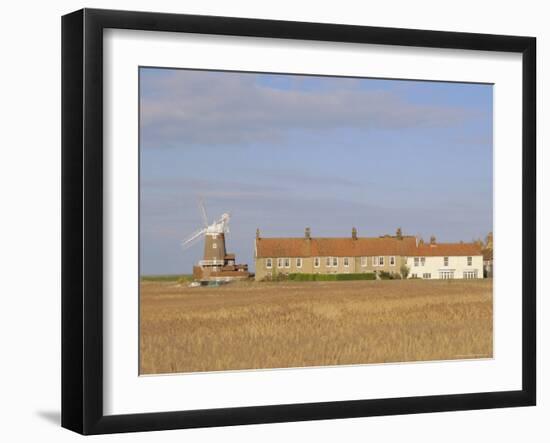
column 334, row 247
column 360, row 247
column 448, row 249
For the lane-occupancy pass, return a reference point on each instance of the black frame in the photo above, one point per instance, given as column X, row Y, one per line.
column 82, row 219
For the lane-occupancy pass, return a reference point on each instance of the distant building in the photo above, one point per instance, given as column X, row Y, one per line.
column 446, row 261
column 310, row 255
column 488, row 263
column 217, row 264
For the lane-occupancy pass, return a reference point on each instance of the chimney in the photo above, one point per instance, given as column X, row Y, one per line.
column 399, row 234
column 257, row 233
column 308, row 233
column 432, row 240
column 354, row 233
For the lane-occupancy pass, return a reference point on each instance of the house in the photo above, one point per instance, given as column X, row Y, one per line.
column 390, row 254
column 446, row 261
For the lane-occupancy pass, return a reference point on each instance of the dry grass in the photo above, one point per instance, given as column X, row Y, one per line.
column 274, row 325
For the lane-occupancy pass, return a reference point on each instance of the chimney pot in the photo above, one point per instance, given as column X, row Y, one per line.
column 308, row 233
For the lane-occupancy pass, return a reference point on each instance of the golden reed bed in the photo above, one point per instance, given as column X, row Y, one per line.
column 279, row 325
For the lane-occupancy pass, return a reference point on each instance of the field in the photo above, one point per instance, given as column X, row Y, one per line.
column 251, row 325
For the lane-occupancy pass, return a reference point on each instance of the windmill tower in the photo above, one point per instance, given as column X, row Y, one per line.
column 216, row 265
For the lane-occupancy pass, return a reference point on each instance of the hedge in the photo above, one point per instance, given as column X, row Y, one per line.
column 331, row 277
column 389, row 276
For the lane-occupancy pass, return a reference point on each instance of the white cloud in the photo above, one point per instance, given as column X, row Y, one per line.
column 219, row 108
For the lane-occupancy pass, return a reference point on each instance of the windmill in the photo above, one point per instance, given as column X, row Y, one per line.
column 217, row 265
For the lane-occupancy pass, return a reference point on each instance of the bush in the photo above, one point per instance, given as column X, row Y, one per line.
column 362, row 276
column 389, row 276
column 277, row 276
column 331, row 277
column 280, row 276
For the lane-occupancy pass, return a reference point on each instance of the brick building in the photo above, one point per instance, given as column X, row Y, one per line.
column 311, row 255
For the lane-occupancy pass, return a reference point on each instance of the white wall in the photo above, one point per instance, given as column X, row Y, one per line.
column 433, row 265
column 30, row 218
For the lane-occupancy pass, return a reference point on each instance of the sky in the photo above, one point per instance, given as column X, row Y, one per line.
column 281, row 152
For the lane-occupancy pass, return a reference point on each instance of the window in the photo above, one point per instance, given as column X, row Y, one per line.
column 298, row 262
column 346, row 262
column 375, row 261
column 335, row 261
column 445, row 261
column 414, row 275
column 426, row 275
column 392, row 261
column 316, row 262
column 469, row 275
column 363, row 261
column 287, row 262
column 446, row 275
column 381, row 261
column 422, row 261
column 279, row 262
column 416, row 261
column 469, row 261
column 268, row 263
column 329, row 262
column 214, row 246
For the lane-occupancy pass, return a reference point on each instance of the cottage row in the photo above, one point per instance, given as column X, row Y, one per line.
column 403, row 255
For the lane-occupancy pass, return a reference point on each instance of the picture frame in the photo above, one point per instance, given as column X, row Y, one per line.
column 83, row 238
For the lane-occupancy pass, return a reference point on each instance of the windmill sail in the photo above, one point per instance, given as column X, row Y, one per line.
column 217, row 265
column 203, row 213
column 192, row 238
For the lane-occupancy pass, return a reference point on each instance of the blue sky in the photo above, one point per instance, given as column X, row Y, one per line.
column 282, row 152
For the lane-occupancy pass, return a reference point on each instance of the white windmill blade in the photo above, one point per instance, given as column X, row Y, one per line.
column 186, row 243
column 189, row 243
column 203, row 213
column 224, row 218
column 226, row 221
